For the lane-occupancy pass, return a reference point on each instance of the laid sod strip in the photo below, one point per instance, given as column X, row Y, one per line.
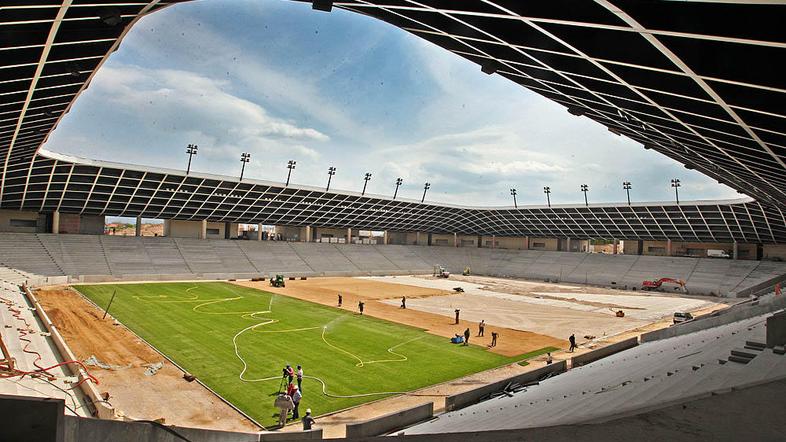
column 533, row 354
column 218, row 331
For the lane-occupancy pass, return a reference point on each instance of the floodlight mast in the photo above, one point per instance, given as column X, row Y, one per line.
column 513, row 192
column 245, row 157
column 366, row 179
column 398, row 183
column 547, row 191
column 331, row 172
column 191, row 150
column 426, row 187
column 675, row 183
column 290, row 165
column 585, row 189
column 627, row 187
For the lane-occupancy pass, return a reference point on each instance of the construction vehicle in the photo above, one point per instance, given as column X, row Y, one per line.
column 278, row 281
column 655, row 284
column 440, row 272
column 466, row 271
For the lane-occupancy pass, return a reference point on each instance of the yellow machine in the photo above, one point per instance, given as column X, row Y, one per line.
column 278, row 281
column 466, row 271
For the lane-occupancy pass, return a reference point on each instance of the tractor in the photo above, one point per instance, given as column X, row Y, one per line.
column 440, row 272
column 278, row 281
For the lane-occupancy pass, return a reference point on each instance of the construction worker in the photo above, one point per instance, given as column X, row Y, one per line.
column 290, row 373
column 457, row 315
column 572, row 340
column 481, row 327
column 361, row 304
column 291, row 389
column 403, row 302
column 308, row 421
column 284, row 404
column 494, row 336
column 466, row 336
column 549, row 360
column 299, row 377
column 296, row 397
column 340, row 299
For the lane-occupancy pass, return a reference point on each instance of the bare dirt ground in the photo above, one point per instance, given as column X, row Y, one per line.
column 325, row 291
column 164, row 395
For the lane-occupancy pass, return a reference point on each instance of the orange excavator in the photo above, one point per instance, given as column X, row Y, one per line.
column 655, row 284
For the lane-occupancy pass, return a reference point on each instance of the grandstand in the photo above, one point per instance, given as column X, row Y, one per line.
column 695, row 81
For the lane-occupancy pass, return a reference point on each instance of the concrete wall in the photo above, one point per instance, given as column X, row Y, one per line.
column 31, row 418
column 184, row 229
column 315, row 434
column 82, row 224
column 506, row 242
column 592, row 356
column 324, row 232
column 391, row 422
column 290, row 233
column 22, row 217
column 461, row 400
column 441, row 239
column 548, row 244
column 774, row 251
column 776, row 330
column 78, row 429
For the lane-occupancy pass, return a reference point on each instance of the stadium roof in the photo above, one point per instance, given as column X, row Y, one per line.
column 691, row 80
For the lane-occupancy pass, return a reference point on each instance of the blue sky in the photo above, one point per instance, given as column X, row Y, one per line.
column 281, row 81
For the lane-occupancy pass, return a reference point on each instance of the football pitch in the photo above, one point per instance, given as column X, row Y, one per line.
column 237, row 340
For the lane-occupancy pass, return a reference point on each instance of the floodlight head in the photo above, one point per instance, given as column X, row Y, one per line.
column 367, row 177
column 399, row 181
column 245, row 157
column 546, row 189
column 512, row 191
column 584, row 187
column 331, row 170
column 291, row 164
column 427, row 186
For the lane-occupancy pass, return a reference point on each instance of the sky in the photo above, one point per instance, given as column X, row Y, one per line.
column 284, row 82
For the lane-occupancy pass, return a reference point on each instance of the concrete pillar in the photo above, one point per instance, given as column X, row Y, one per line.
column 616, row 246
column 455, row 240
column 349, row 235
column 385, row 238
column 308, row 234
column 203, row 229
column 526, row 243
column 493, row 241
column 668, row 247
column 735, row 251
column 138, row 226
column 55, row 222
column 417, row 238
column 259, row 232
column 567, row 245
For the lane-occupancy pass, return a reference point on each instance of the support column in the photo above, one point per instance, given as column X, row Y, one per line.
column 385, row 238
column 55, row 222
column 668, row 247
column 526, row 243
column 138, row 227
column 417, row 238
column 567, row 245
column 203, row 229
column 616, row 246
column 167, row 227
column 735, row 251
column 455, row 240
column 493, row 241
column 349, row 235
column 259, row 232
column 308, row 233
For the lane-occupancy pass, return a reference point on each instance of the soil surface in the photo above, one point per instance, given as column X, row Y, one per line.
column 163, row 395
column 325, row 291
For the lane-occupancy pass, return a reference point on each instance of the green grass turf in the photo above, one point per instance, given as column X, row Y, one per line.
column 174, row 318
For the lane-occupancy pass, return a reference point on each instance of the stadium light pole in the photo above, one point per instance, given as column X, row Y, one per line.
column 331, row 172
column 626, row 186
column 675, row 183
column 585, row 189
column 398, row 183
column 547, row 191
column 244, row 158
column 513, row 192
column 426, row 187
column 191, row 150
column 290, row 166
column 365, row 183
